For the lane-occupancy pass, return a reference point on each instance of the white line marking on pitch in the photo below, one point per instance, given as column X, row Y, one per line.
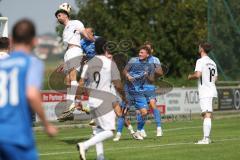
column 165, row 130
column 135, row 147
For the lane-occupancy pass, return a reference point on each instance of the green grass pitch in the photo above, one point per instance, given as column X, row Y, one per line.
column 177, row 143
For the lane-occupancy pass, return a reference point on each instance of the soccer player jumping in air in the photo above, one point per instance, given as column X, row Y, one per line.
column 73, row 29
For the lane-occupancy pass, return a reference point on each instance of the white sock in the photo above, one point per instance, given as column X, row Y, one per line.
column 68, row 97
column 159, row 128
column 207, row 124
column 119, row 133
column 130, row 128
column 98, row 137
column 74, row 86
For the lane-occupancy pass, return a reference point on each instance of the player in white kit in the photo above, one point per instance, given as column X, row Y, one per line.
column 99, row 75
column 73, row 29
column 206, row 73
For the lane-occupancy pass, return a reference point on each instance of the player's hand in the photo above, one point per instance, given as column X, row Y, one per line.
column 130, row 78
column 189, row 77
column 51, row 130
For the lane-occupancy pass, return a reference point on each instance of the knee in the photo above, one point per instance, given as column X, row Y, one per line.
column 152, row 103
column 117, row 109
column 73, row 74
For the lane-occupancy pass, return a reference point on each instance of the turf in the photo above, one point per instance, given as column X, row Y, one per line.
column 176, row 144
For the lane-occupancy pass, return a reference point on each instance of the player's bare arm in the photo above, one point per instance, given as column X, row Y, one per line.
column 87, row 35
column 194, row 76
column 119, row 87
column 127, row 75
column 158, row 70
column 35, row 101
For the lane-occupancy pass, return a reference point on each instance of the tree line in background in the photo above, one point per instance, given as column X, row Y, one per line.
column 174, row 27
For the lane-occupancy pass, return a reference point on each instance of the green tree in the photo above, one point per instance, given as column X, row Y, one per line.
column 174, row 27
column 224, row 31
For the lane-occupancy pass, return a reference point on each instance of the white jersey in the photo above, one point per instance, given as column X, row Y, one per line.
column 3, row 55
column 71, row 33
column 99, row 73
column 206, row 83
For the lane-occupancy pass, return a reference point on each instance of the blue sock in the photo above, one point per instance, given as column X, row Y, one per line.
column 157, row 117
column 120, row 124
column 140, row 122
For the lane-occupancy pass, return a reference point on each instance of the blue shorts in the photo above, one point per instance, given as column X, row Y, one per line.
column 14, row 152
column 130, row 99
column 138, row 100
column 149, row 92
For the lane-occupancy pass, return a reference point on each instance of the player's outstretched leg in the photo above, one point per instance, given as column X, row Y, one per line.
column 97, row 139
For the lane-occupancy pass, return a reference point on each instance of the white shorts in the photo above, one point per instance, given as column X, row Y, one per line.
column 72, row 58
column 107, row 121
column 206, row 104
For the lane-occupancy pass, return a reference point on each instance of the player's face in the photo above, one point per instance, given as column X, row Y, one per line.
column 143, row 54
column 61, row 17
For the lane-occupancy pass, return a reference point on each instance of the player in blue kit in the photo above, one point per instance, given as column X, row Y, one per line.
column 89, row 46
column 150, row 93
column 138, row 71
column 122, row 120
column 20, row 80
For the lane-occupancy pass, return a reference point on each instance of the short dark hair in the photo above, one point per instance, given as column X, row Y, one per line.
column 100, row 45
column 23, row 31
column 4, row 43
column 207, row 47
column 61, row 11
column 148, row 43
column 146, row 48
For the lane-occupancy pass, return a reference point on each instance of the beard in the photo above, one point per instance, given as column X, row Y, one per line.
column 60, row 21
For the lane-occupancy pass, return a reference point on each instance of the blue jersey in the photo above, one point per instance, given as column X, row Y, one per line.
column 88, row 47
column 139, row 70
column 153, row 62
column 17, row 73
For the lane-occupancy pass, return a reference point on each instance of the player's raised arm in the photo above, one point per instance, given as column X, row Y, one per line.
column 87, row 35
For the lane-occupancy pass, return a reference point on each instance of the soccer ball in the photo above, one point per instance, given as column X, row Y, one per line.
column 66, row 7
